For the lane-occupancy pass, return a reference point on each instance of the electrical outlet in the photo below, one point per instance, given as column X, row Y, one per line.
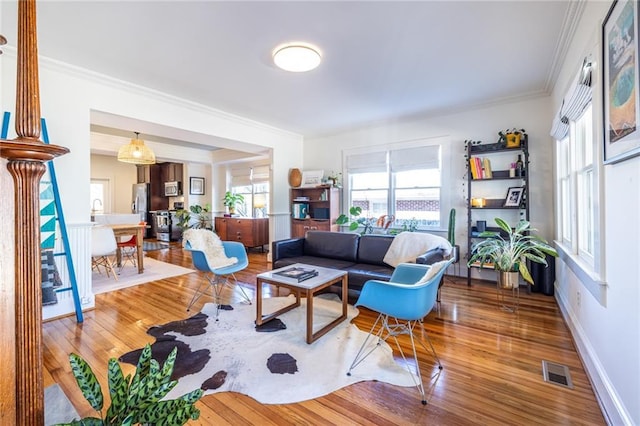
column 578, row 298
column 85, row 300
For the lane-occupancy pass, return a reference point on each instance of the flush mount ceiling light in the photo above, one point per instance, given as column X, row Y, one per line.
column 296, row 57
column 136, row 152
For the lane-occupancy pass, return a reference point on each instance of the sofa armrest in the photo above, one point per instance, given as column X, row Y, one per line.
column 431, row 256
column 292, row 247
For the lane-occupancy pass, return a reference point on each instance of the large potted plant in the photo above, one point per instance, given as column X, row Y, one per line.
column 509, row 250
column 231, row 200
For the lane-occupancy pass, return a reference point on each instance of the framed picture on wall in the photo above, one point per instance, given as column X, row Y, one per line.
column 620, row 82
column 196, row 186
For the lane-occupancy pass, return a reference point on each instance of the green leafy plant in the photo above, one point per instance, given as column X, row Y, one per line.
column 203, row 219
column 137, row 400
column 231, row 200
column 355, row 220
column 510, row 249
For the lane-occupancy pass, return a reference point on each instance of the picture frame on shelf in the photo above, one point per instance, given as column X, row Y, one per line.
column 621, row 95
column 514, row 196
column 311, row 178
column 196, row 186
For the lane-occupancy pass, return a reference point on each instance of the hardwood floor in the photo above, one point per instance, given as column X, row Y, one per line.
column 492, row 359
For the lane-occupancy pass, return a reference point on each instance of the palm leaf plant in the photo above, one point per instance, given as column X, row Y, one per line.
column 510, row 249
column 136, row 400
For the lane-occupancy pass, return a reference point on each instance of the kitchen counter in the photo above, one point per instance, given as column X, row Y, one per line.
column 116, row 219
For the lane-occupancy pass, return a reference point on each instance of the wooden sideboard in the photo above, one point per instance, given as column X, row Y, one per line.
column 252, row 232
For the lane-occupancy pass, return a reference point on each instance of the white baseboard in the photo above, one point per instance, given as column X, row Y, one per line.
column 612, row 407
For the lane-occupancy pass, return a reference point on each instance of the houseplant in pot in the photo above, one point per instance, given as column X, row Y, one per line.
column 509, row 251
column 202, row 217
column 231, row 200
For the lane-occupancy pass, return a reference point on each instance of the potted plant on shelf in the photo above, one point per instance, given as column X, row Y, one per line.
column 509, row 250
column 231, row 200
column 511, row 137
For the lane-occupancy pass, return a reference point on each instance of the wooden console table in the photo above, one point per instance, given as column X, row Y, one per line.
column 252, row 232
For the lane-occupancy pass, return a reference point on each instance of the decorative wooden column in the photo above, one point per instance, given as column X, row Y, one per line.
column 27, row 156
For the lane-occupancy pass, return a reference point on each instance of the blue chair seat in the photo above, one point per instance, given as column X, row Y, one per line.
column 218, row 278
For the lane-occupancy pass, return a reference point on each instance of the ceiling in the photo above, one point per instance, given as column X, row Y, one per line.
column 381, row 60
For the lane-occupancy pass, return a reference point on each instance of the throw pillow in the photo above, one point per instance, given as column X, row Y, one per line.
column 209, row 243
column 433, row 271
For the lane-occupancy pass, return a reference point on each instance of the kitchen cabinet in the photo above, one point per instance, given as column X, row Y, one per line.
column 144, row 173
column 152, row 174
column 252, row 232
column 172, row 172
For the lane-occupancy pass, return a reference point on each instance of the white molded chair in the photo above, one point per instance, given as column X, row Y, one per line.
column 103, row 246
column 403, row 302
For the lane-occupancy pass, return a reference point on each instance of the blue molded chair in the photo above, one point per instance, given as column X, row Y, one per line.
column 219, row 277
column 403, row 302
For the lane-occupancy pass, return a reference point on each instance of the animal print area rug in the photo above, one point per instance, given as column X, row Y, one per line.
column 275, row 367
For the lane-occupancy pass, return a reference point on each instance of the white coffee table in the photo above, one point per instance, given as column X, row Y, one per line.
column 309, row 287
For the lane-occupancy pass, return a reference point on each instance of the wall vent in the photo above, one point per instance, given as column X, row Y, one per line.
column 557, row 374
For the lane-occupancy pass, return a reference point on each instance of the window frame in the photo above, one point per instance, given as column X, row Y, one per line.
column 444, row 146
column 588, row 267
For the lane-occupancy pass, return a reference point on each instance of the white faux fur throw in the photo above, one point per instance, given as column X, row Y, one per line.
column 208, row 242
column 406, row 246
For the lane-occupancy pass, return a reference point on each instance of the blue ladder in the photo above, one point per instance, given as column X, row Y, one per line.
column 60, row 218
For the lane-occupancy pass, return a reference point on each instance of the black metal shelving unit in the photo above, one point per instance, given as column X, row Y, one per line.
column 475, row 150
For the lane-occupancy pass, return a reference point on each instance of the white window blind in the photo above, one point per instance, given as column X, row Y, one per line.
column 370, row 162
column 574, row 102
column 426, row 157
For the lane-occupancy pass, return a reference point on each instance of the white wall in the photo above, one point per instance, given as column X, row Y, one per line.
column 477, row 124
column 70, row 96
column 606, row 326
column 121, row 177
column 199, row 170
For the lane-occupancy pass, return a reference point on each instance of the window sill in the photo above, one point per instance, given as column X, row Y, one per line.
column 589, row 278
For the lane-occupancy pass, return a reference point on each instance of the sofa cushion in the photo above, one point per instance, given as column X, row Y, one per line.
column 333, row 245
column 372, row 249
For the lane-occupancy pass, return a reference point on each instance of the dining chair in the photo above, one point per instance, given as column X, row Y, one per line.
column 403, row 303
column 129, row 249
column 103, row 246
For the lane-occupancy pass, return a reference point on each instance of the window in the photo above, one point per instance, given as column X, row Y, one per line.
column 576, row 186
column 99, row 194
column 253, row 184
column 401, row 182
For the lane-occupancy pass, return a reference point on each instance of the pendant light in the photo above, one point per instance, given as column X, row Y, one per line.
column 136, row 152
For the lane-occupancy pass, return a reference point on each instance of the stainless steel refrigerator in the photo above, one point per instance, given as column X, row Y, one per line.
column 141, row 201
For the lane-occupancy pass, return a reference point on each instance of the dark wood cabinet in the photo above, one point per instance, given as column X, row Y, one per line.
column 172, row 172
column 252, row 232
column 314, row 209
column 144, row 173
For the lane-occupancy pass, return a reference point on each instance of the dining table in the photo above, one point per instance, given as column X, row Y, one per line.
column 123, row 230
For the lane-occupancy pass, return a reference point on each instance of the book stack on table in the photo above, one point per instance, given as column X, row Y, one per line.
column 299, row 274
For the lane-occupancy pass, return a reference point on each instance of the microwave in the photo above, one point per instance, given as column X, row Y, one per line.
column 172, row 189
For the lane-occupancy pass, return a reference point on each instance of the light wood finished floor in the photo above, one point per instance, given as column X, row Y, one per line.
column 492, row 360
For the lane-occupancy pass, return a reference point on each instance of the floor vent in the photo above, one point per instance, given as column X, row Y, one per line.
column 557, row 374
